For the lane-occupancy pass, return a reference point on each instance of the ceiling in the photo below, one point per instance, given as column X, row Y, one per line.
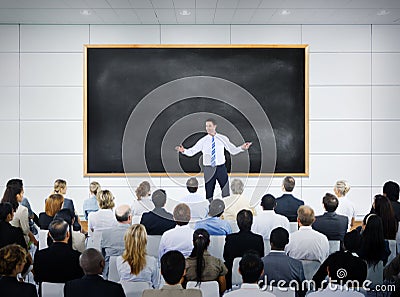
column 200, row 12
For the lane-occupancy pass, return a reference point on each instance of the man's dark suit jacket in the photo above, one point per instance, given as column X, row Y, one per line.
column 287, row 206
column 236, row 244
column 69, row 204
column 93, row 286
column 9, row 286
column 332, row 225
column 157, row 221
column 58, row 263
column 10, row 234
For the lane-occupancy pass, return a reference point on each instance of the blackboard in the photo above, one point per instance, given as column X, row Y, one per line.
column 142, row 101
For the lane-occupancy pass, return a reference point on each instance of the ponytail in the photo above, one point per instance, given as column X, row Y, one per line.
column 201, row 241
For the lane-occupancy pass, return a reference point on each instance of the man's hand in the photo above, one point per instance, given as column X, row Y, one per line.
column 180, row 148
column 246, row 145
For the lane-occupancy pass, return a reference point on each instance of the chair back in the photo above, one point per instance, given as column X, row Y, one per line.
column 310, row 268
column 52, row 290
column 153, row 242
column 293, row 226
column 392, row 247
column 216, row 247
column 112, row 270
column 334, row 246
column 236, row 277
column 267, row 246
column 208, row 289
column 94, row 241
column 375, row 274
column 43, row 239
column 282, row 292
column 134, row 289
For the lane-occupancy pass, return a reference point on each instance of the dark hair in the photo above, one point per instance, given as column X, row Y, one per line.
column 279, row 238
column 289, row 183
column 14, row 187
column 250, row 267
column 15, row 182
column 330, row 202
column 201, row 241
column 268, row 202
column 212, row 121
column 58, row 229
column 172, row 267
column 352, row 241
column 192, row 185
column 372, row 240
column 5, row 210
column 90, row 261
column 244, row 220
column 391, row 189
column 66, row 215
column 159, row 198
column 383, row 208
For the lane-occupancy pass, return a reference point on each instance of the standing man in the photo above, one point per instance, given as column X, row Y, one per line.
column 212, row 146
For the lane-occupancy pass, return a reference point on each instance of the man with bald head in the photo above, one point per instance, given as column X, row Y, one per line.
column 112, row 241
column 92, row 284
column 306, row 243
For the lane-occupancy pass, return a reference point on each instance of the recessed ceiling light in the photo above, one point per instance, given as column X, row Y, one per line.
column 85, row 12
column 383, row 12
column 285, row 12
column 185, row 12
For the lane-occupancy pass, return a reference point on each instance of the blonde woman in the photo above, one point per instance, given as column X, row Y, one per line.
column 91, row 205
column 135, row 265
column 346, row 207
column 53, row 205
column 143, row 201
column 104, row 218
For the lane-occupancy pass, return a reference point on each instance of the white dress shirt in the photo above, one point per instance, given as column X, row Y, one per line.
column 268, row 220
column 346, row 208
column 308, row 244
column 251, row 290
column 102, row 219
column 336, row 290
column 180, row 238
column 204, row 146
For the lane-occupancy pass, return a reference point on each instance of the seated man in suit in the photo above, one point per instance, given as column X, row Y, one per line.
column 9, row 234
column 213, row 223
column 92, row 284
column 333, row 225
column 279, row 266
column 173, row 271
column 236, row 244
column 112, row 240
column 158, row 220
column 58, row 263
column 287, row 205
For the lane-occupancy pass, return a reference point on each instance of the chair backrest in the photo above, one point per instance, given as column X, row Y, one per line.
column 112, row 269
column 398, row 239
column 334, row 246
column 94, row 241
column 267, row 246
column 153, row 242
column 134, row 289
column 234, row 225
column 52, row 290
column 293, row 226
column 216, row 247
column 375, row 274
column 281, row 292
column 392, row 247
column 310, row 268
column 208, row 289
column 43, row 239
column 236, row 277
column 136, row 219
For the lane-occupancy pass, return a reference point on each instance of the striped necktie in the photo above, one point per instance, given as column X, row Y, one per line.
column 213, row 152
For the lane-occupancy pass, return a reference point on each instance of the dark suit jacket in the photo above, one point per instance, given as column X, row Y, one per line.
column 287, row 206
column 157, row 221
column 58, row 263
column 92, row 286
column 44, row 221
column 331, row 224
column 236, row 244
column 69, row 204
column 9, row 286
column 10, row 234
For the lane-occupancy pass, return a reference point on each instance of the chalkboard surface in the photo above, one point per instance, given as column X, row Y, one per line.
column 141, row 101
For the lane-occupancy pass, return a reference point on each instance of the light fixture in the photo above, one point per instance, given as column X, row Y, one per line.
column 285, row 12
column 383, row 12
column 185, row 12
column 85, row 12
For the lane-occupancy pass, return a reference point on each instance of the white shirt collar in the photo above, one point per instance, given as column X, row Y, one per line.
column 305, row 228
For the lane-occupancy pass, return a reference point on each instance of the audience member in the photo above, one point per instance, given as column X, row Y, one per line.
column 12, row 261
column 251, row 269
column 332, row 225
column 90, row 204
column 287, row 204
column 158, row 220
column 92, row 284
column 180, row 238
column 391, row 190
column 213, row 223
column 383, row 208
column 268, row 220
column 143, row 202
column 59, row 262
column 345, row 207
column 201, row 266
column 236, row 201
column 306, row 243
column 60, row 187
column 391, row 273
column 53, row 204
column 103, row 218
column 77, row 238
column 237, row 244
column 135, row 265
column 197, row 203
column 173, row 272
column 8, row 233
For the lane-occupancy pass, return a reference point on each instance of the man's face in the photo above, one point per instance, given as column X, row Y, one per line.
column 210, row 128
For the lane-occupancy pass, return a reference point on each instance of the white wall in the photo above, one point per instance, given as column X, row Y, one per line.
column 354, row 104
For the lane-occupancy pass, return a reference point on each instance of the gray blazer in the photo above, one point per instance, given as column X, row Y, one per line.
column 332, row 225
column 172, row 291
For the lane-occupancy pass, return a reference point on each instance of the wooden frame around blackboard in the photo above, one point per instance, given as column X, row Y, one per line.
column 306, row 104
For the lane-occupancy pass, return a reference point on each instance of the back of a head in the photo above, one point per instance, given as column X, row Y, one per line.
column 105, row 199
column 66, row 215
column 172, row 267
column 330, row 202
column 10, row 195
column 122, row 213
column 58, row 230
column 142, row 190
column 342, row 187
column 53, row 204
column 182, row 214
column 352, row 241
column 201, row 241
column 384, row 209
column 216, row 208
column 159, row 198
column 59, row 184
column 11, row 256
column 288, row 183
column 244, row 220
column 5, row 209
column 279, row 238
column 250, row 267
column 16, row 183
column 372, row 239
column 91, row 261
column 305, row 215
column 192, row 185
column 94, row 187
column 268, row 202
column 237, row 186
column 391, row 189
column 135, row 239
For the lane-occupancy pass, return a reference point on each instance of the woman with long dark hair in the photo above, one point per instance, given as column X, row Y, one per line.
column 383, row 208
column 201, row 266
